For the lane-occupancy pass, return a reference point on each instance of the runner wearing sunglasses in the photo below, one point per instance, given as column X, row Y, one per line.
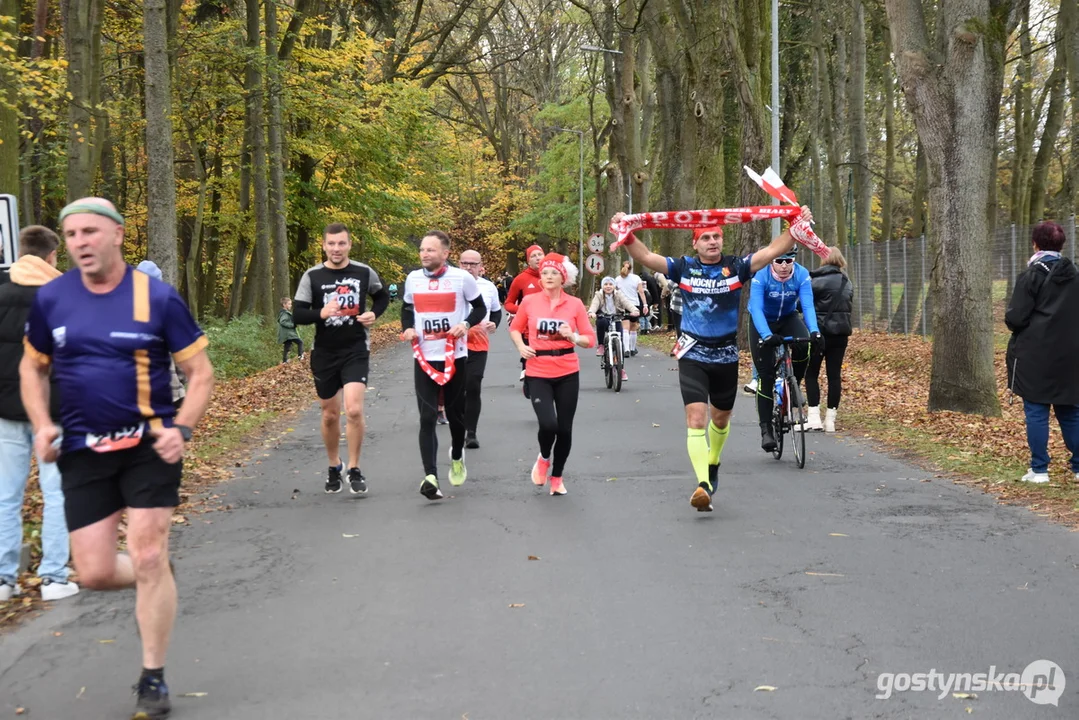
column 774, row 296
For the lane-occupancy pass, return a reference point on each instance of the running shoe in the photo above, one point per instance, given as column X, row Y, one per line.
column 458, row 471
column 624, row 376
column 442, row 417
column 750, row 388
column 152, row 701
column 539, row 471
column 768, row 440
column 357, row 483
column 333, row 480
column 429, row 488
column 471, row 442
column 599, row 351
column 701, row 499
column 557, row 488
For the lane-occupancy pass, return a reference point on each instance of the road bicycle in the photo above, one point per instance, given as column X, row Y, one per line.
column 788, row 415
column 612, row 361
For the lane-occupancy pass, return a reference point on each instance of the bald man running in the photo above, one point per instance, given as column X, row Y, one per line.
column 478, row 343
column 106, row 332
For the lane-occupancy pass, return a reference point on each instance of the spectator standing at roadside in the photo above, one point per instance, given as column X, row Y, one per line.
column 833, row 296
column 286, row 331
column 1042, row 354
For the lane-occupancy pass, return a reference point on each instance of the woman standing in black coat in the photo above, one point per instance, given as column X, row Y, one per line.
column 832, row 298
column 1043, row 353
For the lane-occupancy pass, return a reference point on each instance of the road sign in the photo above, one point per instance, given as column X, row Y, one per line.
column 594, row 264
column 9, row 229
column 595, row 243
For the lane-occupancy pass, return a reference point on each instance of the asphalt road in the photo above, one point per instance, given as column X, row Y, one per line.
column 814, row 582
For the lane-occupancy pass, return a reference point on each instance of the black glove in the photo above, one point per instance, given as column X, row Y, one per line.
column 772, row 340
column 818, row 341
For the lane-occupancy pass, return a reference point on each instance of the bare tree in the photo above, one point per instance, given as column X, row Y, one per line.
column 82, row 37
column 160, row 178
column 953, row 79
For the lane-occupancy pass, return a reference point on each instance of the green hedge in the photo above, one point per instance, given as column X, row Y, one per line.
column 246, row 345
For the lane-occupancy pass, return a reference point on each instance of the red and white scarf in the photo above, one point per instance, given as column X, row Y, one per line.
column 439, row 376
column 800, row 230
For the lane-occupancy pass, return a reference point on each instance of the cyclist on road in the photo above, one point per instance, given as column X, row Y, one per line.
column 608, row 301
column 441, row 304
column 333, row 297
column 558, row 324
column 632, row 287
column 774, row 296
column 710, row 285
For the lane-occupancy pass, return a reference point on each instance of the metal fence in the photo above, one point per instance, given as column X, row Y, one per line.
column 891, row 277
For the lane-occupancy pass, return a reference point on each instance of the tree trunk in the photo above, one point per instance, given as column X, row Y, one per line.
column 889, row 169
column 1025, row 122
column 837, row 224
column 9, row 115
column 258, row 285
column 954, row 93
column 863, row 185
column 160, row 179
column 82, row 38
column 1054, row 120
column 1069, row 18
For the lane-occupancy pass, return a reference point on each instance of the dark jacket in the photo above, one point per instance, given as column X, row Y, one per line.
column 16, row 297
column 1043, row 316
column 833, row 297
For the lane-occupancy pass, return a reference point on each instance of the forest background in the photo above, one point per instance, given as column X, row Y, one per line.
column 229, row 133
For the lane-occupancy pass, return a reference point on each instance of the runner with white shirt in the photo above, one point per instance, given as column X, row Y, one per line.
column 632, row 287
column 478, row 344
column 441, row 304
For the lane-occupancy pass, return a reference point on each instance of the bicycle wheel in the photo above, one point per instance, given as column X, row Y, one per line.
column 796, row 420
column 608, row 366
column 616, row 369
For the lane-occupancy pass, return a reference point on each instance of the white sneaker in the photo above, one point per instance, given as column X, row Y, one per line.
column 521, row 379
column 829, row 420
column 9, row 591
column 52, row 590
column 750, row 388
column 813, row 421
column 1033, row 477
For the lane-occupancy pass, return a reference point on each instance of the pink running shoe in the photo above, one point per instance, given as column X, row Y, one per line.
column 624, row 376
column 557, row 488
column 599, row 351
column 539, row 471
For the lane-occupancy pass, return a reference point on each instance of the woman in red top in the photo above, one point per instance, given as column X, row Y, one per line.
column 556, row 323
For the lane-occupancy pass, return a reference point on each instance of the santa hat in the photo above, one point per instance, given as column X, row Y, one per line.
column 701, row 231
column 562, row 264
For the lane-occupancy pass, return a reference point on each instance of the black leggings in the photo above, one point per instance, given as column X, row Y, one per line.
column 427, row 399
column 555, row 403
column 603, row 325
column 764, row 359
column 284, row 350
column 477, row 363
column 835, row 347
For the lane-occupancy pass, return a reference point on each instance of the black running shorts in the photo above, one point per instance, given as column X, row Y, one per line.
column 334, row 370
column 98, row 484
column 708, row 382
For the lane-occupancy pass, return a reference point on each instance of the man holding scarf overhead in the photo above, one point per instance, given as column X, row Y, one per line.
column 441, row 303
column 710, row 284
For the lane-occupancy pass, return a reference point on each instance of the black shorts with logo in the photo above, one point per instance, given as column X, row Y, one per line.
column 335, row 369
column 97, row 484
column 702, row 382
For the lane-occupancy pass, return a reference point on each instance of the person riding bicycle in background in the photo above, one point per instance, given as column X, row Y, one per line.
column 608, row 301
column 774, row 295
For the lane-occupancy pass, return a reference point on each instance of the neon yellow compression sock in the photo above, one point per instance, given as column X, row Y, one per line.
column 697, row 444
column 717, row 438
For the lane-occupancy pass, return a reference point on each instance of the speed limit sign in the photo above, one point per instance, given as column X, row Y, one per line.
column 594, row 263
column 595, row 243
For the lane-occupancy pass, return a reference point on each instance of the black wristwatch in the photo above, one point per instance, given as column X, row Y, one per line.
column 185, row 431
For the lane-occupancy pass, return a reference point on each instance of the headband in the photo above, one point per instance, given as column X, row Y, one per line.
column 76, row 208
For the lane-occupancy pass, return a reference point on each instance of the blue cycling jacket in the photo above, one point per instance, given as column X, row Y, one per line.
column 771, row 300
